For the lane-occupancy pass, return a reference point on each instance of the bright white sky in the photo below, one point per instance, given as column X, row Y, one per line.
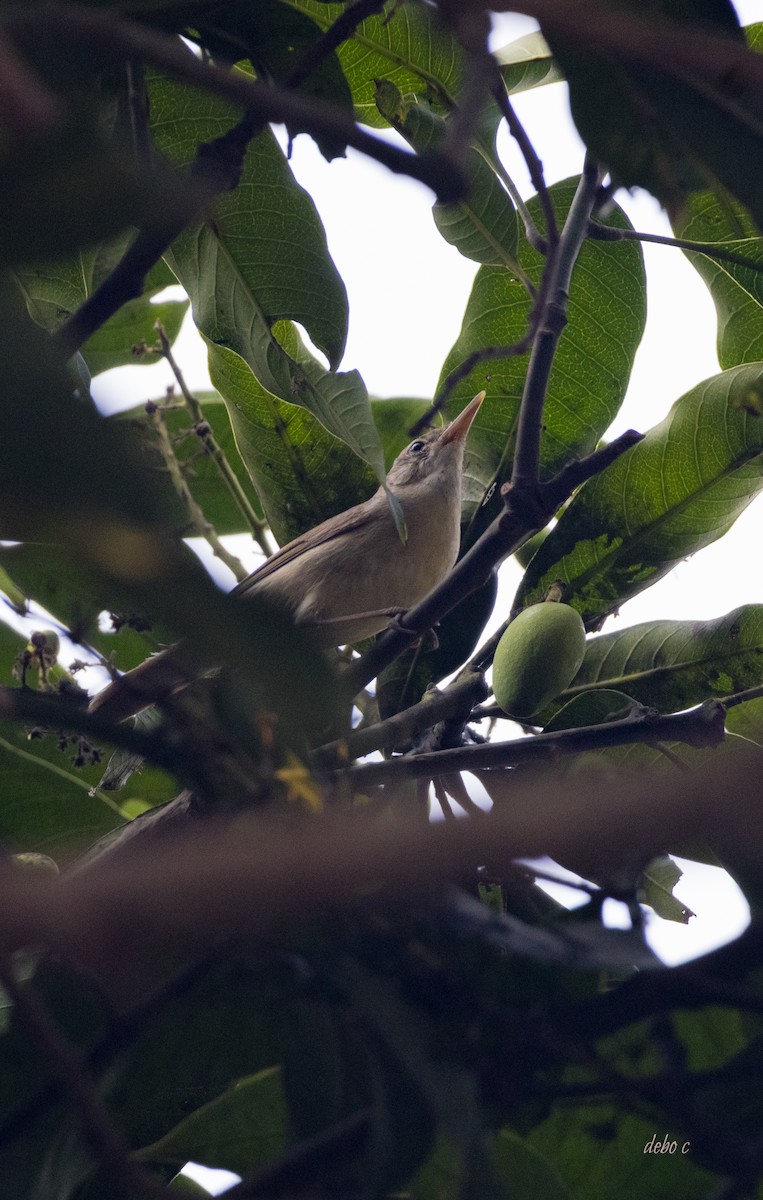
column 408, row 290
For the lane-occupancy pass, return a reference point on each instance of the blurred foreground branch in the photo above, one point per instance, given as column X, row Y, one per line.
column 248, row 878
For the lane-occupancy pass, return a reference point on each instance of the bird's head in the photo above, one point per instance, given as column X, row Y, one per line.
column 438, row 452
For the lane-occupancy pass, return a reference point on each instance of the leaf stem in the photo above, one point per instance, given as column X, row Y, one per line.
column 608, row 233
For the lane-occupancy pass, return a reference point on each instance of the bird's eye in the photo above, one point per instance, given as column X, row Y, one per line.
column 416, row 447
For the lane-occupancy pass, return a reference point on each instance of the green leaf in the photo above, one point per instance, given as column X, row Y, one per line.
column 47, row 804
column 45, row 426
column 737, row 291
column 590, row 708
column 261, row 257
column 276, row 38
column 672, row 665
column 221, row 1026
column 697, row 134
column 678, row 490
column 238, row 1131
column 591, row 1145
column 656, row 889
column 51, row 206
column 484, row 226
column 263, row 240
column 53, row 291
column 524, row 1173
column 408, row 45
column 302, row 473
column 592, row 366
column 527, row 63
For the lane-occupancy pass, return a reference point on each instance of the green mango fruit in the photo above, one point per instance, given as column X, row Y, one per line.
column 537, row 658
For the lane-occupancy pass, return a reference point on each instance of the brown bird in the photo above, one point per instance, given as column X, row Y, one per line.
column 346, row 578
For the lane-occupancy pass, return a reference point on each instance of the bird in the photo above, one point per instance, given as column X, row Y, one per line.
column 348, row 577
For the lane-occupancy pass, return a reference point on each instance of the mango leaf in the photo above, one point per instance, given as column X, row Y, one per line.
column 482, row 227
column 261, row 257
column 46, row 803
column 527, row 63
column 590, row 1145
column 671, row 131
column 53, row 291
column 302, row 473
column 592, row 365
column 656, row 889
column 524, row 1173
column 590, row 708
column 678, row 490
column 672, row 665
column 50, row 206
column 241, row 1129
column 408, row 45
column 737, row 291
column 41, row 496
column 276, row 38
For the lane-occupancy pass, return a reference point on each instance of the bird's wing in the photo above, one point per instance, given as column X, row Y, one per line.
column 335, row 527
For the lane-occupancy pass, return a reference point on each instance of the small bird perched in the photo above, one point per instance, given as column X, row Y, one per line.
column 346, row 578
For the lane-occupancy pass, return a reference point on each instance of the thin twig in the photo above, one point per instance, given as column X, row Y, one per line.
column 467, row 366
column 196, row 518
column 105, row 1140
column 608, row 233
column 337, row 33
column 535, row 169
column 203, row 430
column 288, row 1174
column 472, row 29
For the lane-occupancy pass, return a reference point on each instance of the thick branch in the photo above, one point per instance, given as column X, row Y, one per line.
column 700, row 727
column 553, row 319
column 248, row 881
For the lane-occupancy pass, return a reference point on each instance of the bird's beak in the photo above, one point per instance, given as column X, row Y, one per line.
column 458, row 429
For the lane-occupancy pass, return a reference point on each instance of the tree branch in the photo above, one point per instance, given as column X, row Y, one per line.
column 246, row 882
column 561, row 260
column 700, row 727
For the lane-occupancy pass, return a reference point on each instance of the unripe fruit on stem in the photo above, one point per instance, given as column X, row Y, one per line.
column 537, row 658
